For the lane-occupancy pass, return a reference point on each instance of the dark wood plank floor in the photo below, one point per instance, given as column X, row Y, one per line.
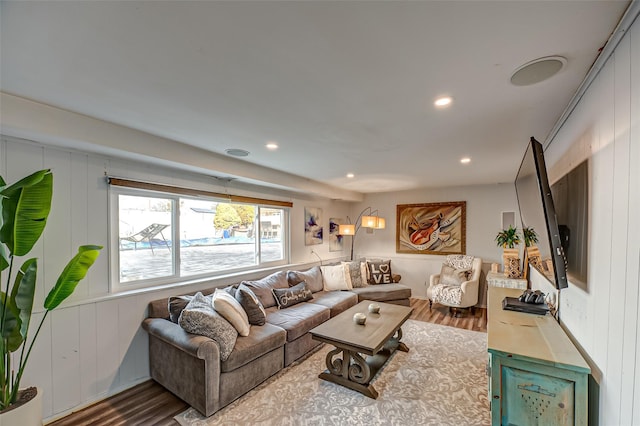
column 151, row 404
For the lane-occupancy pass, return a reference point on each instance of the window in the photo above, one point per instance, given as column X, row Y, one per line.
column 162, row 237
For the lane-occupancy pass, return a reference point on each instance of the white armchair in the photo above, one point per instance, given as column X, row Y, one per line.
column 453, row 295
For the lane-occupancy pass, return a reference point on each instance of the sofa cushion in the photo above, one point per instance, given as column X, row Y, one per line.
column 261, row 340
column 251, row 305
column 298, row 319
column 227, row 306
column 313, row 278
column 383, row 292
column 379, row 272
column 287, row 297
column 262, row 288
column 336, row 301
column 333, row 278
column 199, row 317
column 353, row 274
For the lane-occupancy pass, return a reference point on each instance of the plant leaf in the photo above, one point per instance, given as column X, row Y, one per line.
column 25, row 208
column 11, row 325
column 4, row 259
column 23, row 292
column 75, row 271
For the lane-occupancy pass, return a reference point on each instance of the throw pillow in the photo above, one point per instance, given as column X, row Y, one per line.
column 232, row 311
column 452, row 276
column 251, row 305
column 199, row 317
column 262, row 288
column 380, row 272
column 354, row 274
column 292, row 296
column 333, row 278
column 313, row 278
column 176, row 305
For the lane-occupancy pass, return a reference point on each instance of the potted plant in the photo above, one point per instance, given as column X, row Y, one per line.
column 24, row 209
column 508, row 239
column 531, row 251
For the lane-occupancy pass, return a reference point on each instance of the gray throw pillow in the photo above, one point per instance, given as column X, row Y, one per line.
column 354, row 272
column 292, row 296
column 251, row 305
column 176, row 305
column 453, row 276
column 380, row 272
column 262, row 288
column 199, row 317
column 313, row 278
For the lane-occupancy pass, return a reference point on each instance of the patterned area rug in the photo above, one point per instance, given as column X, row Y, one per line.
column 440, row 381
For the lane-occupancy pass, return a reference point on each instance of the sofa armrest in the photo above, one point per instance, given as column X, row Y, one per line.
column 169, row 332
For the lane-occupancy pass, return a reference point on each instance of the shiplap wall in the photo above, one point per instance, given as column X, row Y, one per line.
column 93, row 346
column 604, row 318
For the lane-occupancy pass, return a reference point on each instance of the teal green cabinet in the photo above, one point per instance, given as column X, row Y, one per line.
column 537, row 376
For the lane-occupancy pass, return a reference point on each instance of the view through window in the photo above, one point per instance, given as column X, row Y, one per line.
column 163, row 238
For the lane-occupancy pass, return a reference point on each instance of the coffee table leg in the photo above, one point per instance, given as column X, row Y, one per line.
column 401, row 346
column 354, row 375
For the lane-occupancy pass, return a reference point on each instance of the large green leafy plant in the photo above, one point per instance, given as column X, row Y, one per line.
column 508, row 238
column 25, row 206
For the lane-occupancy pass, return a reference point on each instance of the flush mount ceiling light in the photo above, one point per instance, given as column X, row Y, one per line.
column 538, row 70
column 465, row 160
column 350, row 175
column 443, row 101
column 272, row 146
column 236, row 152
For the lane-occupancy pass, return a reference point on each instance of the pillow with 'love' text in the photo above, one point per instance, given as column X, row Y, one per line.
column 379, row 272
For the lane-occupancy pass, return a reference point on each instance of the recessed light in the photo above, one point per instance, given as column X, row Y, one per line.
column 350, row 175
column 272, row 146
column 236, row 152
column 443, row 101
column 465, row 160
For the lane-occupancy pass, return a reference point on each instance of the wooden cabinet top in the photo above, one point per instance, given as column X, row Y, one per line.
column 526, row 336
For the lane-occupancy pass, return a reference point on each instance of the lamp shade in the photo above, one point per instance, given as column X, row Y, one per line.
column 381, row 223
column 369, row 221
column 347, row 229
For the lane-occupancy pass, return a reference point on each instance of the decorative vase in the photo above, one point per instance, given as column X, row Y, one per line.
column 359, row 318
column 25, row 414
column 511, row 262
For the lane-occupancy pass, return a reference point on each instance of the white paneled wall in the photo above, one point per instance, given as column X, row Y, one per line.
column 93, row 345
column 605, row 318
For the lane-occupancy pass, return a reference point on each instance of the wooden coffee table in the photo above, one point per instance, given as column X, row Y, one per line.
column 377, row 339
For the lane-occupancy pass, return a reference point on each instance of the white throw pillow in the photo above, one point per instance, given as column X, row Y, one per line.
column 227, row 306
column 333, row 278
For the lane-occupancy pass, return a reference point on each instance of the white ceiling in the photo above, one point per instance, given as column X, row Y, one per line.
column 341, row 86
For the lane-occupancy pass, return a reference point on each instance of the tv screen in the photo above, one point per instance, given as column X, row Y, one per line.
column 537, row 213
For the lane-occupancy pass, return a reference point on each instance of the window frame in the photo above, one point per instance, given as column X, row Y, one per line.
column 116, row 286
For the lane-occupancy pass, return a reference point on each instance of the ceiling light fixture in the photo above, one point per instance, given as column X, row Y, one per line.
column 538, row 70
column 236, row 152
column 350, row 175
column 465, row 160
column 272, row 146
column 443, row 101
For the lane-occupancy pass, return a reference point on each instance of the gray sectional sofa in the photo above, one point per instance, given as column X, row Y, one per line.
column 190, row 365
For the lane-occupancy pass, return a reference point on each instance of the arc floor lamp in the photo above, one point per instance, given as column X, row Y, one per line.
column 367, row 218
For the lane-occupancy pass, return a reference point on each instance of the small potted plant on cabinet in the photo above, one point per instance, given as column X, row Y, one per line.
column 509, row 239
column 24, row 209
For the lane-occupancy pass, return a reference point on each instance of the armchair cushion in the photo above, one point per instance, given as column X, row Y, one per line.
column 452, row 276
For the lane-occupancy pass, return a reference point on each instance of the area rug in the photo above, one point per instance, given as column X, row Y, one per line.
column 440, row 381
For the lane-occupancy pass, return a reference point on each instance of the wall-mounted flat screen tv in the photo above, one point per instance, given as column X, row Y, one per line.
column 537, row 212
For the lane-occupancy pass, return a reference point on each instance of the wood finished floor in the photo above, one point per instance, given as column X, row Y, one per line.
column 151, row 404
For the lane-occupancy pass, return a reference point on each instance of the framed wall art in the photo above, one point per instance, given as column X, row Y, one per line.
column 431, row 228
column 312, row 226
